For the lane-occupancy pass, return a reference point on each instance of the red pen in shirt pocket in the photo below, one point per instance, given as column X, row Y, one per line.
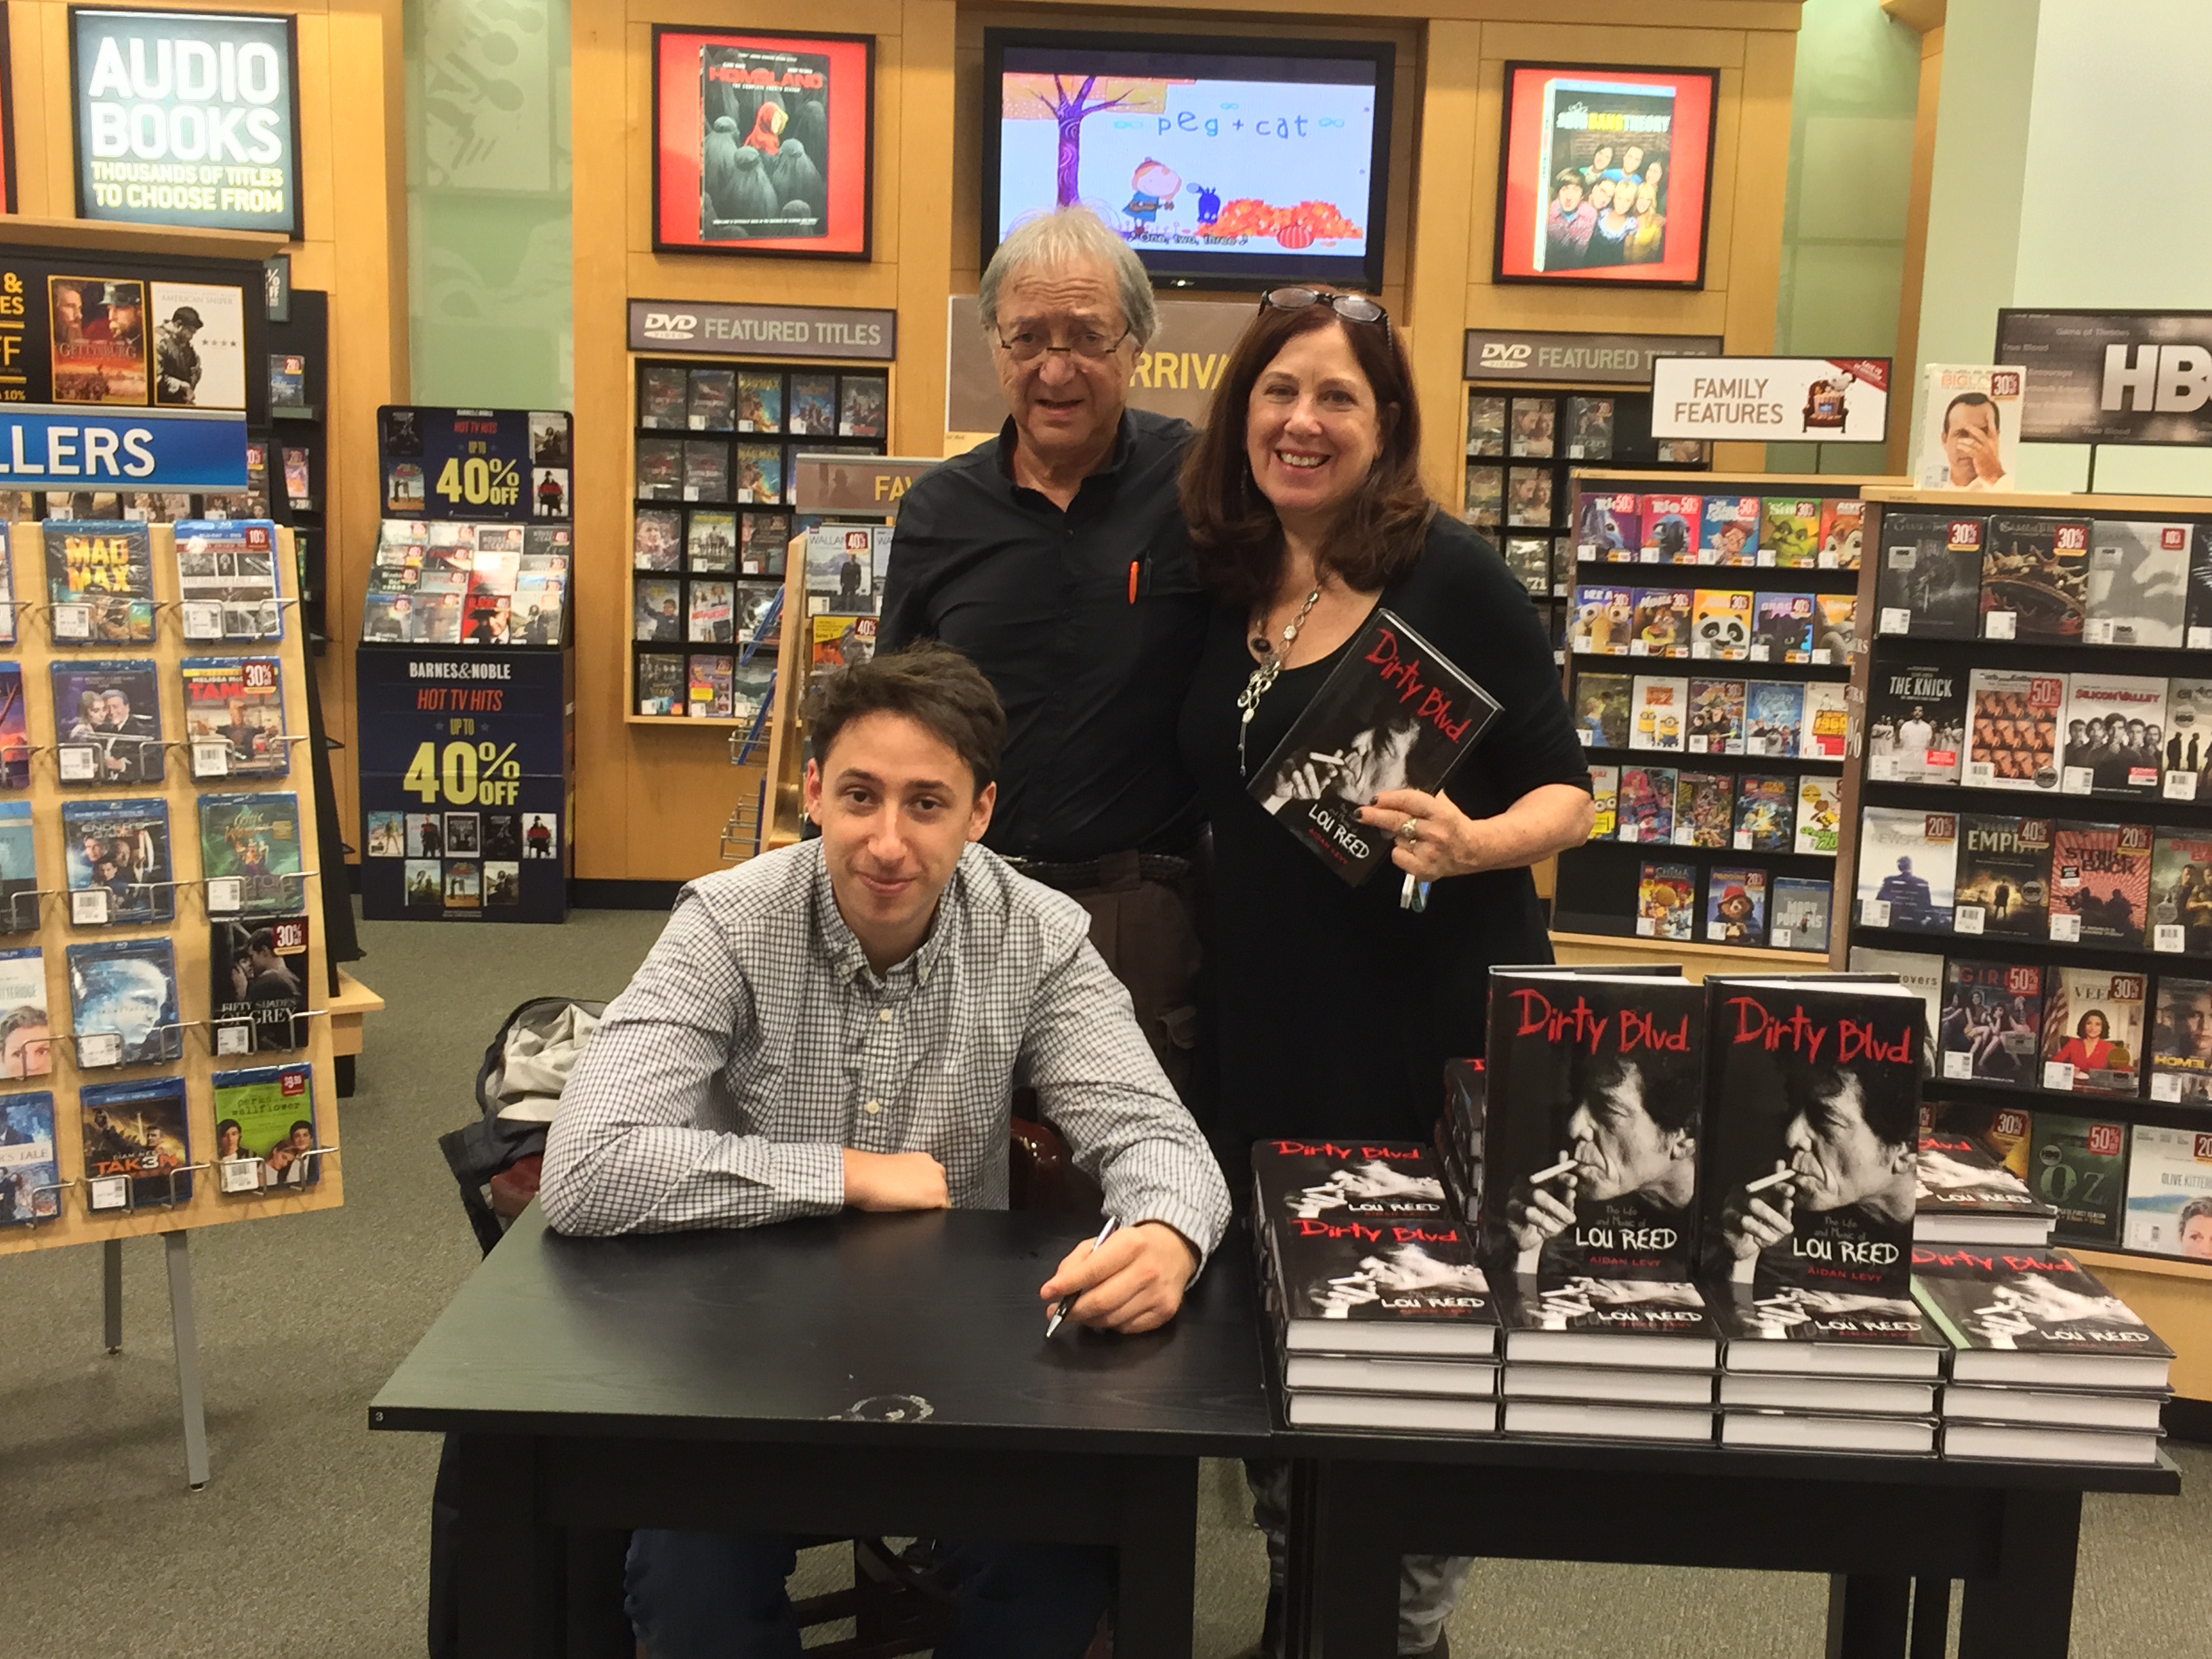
column 1133, row 581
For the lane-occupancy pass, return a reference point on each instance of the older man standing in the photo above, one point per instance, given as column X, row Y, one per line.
column 1053, row 558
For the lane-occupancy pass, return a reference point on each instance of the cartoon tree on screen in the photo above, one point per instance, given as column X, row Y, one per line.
column 1050, row 97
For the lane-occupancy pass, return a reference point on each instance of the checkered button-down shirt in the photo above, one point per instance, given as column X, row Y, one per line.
column 755, row 1043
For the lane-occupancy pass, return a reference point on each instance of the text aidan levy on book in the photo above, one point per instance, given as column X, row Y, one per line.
column 1395, row 714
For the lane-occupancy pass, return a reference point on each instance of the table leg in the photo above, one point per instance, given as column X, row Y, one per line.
column 111, row 1288
column 1348, row 1602
column 1158, row 1547
column 1867, row 1616
column 512, row 1589
column 1931, row 1618
column 2027, row 1611
column 185, row 1339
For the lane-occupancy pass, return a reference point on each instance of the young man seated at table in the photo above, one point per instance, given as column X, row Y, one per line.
column 841, row 1024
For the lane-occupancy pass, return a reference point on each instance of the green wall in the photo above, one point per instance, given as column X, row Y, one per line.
column 1843, row 223
column 489, row 301
column 2053, row 113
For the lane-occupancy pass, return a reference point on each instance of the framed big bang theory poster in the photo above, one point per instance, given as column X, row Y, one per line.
column 764, row 144
column 1605, row 175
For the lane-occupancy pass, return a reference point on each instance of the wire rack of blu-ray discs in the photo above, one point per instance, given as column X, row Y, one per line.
column 716, row 450
column 2033, row 845
column 1710, row 642
column 1522, row 448
column 165, row 1062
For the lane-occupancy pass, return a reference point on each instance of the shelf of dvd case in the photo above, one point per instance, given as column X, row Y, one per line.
column 158, row 1030
column 2031, row 849
column 715, row 452
column 1711, row 637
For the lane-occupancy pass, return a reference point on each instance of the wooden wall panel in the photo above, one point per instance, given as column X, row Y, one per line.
column 652, row 800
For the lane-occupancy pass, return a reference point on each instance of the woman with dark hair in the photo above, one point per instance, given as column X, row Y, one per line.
column 1337, row 1007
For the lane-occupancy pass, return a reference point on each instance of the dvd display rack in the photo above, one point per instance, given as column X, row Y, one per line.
column 1522, row 449
column 160, row 1174
column 1711, row 639
column 714, row 462
column 2033, row 845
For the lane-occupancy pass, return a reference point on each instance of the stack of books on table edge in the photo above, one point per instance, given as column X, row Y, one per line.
column 2047, row 1365
column 1381, row 1320
column 1965, row 1196
column 1608, row 1358
column 1813, row 1371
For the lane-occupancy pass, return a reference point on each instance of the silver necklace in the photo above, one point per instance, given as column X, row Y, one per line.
column 1270, row 665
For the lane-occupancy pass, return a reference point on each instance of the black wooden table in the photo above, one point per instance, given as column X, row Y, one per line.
column 859, row 1375
column 1883, row 1529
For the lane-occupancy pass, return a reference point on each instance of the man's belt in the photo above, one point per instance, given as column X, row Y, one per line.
column 1121, row 870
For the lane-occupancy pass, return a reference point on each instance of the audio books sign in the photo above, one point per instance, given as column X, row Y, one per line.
column 2111, row 377
column 186, row 119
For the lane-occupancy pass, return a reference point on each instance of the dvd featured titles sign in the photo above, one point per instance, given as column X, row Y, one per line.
column 1771, row 399
column 186, row 119
column 2111, row 377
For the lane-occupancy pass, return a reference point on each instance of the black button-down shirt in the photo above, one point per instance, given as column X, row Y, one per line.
column 1041, row 600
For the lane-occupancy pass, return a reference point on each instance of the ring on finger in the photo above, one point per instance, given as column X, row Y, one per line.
column 1409, row 831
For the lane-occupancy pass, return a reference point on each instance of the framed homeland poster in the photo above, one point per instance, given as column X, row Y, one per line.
column 764, row 144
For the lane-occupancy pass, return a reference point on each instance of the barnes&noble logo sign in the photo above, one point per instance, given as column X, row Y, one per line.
column 2111, row 377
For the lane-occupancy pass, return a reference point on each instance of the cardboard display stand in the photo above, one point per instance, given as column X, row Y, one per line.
column 188, row 933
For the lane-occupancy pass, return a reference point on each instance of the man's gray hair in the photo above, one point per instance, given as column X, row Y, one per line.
column 1058, row 238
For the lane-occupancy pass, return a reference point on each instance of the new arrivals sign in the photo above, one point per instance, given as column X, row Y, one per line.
column 186, row 119
column 2111, row 377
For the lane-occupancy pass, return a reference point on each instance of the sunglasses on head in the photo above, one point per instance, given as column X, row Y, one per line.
column 1353, row 308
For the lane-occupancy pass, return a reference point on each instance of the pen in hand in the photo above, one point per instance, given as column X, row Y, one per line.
column 1060, row 1307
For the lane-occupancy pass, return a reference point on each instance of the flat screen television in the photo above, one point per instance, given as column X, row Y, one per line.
column 1234, row 164
column 1605, row 175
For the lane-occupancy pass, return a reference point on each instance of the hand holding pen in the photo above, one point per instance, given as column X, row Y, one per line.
column 1127, row 1279
column 1060, row 1307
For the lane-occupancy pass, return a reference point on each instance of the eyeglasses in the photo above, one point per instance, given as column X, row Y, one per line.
column 1353, row 308
column 1028, row 344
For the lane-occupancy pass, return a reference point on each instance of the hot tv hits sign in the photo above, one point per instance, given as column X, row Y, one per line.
column 186, row 119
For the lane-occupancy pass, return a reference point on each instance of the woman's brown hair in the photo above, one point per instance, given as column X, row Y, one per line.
column 1236, row 541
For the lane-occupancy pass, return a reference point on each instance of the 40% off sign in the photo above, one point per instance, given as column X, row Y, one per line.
column 465, row 775
column 481, row 481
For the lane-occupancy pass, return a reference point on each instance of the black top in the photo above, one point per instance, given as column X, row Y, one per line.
column 1039, row 600
column 1336, row 1008
column 828, row 1331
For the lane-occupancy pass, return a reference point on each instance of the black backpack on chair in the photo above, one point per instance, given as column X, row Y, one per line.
column 496, row 1161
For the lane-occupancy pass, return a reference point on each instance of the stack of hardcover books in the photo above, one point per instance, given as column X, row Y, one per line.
column 1382, row 1317
column 1588, row 1204
column 1812, row 1112
column 2046, row 1364
column 1965, row 1196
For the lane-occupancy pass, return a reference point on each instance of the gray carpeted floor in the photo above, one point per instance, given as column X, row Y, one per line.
column 313, row 1537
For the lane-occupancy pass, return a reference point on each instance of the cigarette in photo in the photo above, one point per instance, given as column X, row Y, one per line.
column 1774, row 1180
column 1551, row 1174
column 1320, row 759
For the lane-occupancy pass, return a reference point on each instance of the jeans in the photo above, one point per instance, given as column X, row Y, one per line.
column 1429, row 1586
column 720, row 1596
